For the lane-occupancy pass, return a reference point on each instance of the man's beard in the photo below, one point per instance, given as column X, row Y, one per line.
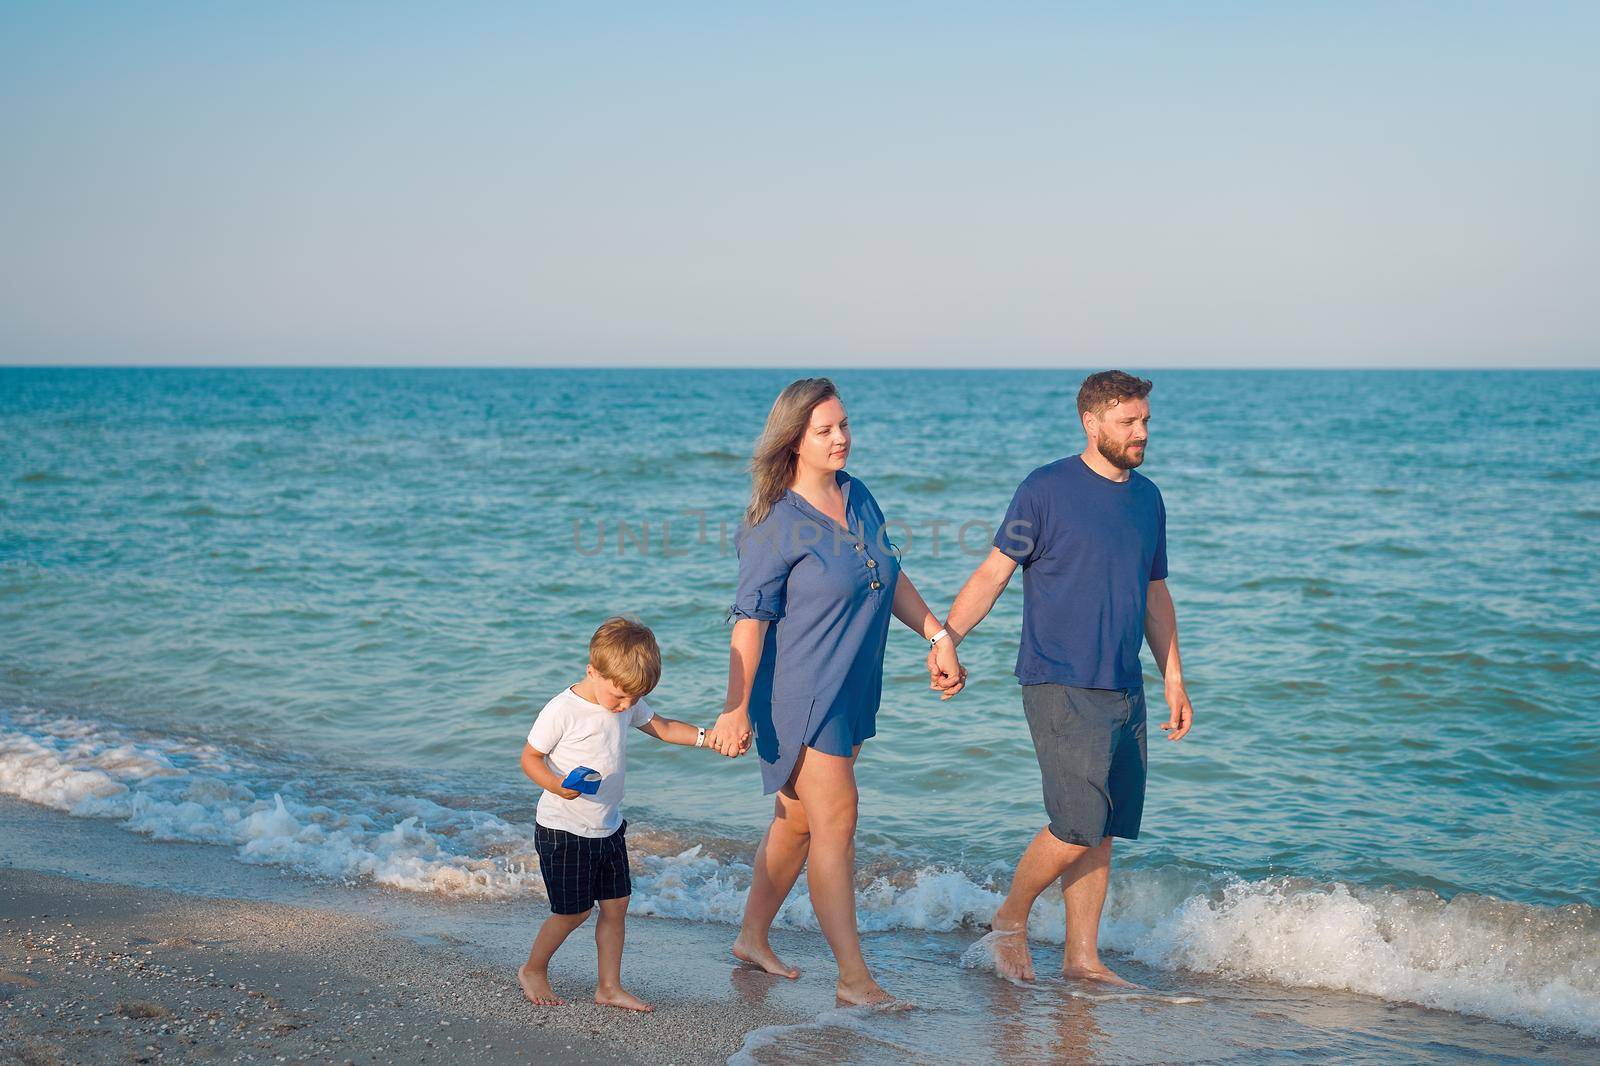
column 1117, row 455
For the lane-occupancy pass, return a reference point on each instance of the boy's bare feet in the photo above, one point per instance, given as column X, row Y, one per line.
column 1012, row 959
column 867, row 994
column 536, row 987
column 1098, row 974
column 762, row 957
column 621, row 997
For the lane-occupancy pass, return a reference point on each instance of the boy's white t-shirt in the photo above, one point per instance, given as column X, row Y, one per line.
column 572, row 732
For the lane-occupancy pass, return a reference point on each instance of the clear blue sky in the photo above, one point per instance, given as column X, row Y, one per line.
column 1183, row 184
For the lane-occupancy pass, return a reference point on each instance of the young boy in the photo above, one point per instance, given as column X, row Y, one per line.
column 582, row 852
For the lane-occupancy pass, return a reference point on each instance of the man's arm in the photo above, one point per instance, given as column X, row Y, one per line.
column 539, row 772
column 973, row 604
column 1161, row 631
column 979, row 595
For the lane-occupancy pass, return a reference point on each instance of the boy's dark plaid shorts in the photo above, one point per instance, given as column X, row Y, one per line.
column 579, row 870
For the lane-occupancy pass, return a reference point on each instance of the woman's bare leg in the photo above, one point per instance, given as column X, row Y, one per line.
column 779, row 859
column 826, row 787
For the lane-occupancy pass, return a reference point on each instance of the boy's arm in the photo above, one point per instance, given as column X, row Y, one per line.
column 671, row 730
column 539, row 771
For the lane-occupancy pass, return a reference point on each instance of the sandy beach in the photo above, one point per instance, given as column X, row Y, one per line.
column 116, row 948
column 97, row 973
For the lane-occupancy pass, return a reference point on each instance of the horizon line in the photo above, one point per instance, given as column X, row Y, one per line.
column 1164, row 368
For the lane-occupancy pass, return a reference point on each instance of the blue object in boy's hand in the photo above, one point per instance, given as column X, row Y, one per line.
column 583, row 779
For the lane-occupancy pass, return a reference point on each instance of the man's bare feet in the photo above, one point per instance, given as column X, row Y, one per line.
column 536, row 987
column 1098, row 974
column 867, row 994
column 1012, row 959
column 621, row 997
column 763, row 958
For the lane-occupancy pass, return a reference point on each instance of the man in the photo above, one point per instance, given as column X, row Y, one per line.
column 1090, row 535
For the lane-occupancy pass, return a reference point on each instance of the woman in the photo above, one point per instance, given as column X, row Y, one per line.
column 818, row 580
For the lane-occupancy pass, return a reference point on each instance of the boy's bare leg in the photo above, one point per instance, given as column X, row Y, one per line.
column 1046, row 859
column 534, row 976
column 608, row 935
column 779, row 860
column 1083, row 888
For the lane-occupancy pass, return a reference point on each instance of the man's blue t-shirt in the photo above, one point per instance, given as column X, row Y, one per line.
column 1089, row 548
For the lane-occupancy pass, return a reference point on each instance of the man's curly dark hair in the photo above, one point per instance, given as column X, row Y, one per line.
column 1108, row 388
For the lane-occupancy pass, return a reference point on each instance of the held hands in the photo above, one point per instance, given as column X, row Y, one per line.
column 1182, row 712
column 731, row 735
column 946, row 675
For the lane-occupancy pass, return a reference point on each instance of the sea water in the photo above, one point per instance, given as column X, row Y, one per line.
column 308, row 616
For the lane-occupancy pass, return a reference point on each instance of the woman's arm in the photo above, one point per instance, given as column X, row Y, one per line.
column 731, row 734
column 910, row 608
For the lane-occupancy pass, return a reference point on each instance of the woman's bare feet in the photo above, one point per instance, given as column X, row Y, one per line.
column 1012, row 959
column 536, row 987
column 621, row 997
column 867, row 994
column 1098, row 974
column 763, row 958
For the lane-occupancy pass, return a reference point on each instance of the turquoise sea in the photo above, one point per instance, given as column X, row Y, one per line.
column 306, row 617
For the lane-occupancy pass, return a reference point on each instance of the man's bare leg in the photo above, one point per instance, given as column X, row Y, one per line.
column 1083, row 889
column 1045, row 860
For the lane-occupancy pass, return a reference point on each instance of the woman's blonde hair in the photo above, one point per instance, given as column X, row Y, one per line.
column 625, row 653
column 773, row 463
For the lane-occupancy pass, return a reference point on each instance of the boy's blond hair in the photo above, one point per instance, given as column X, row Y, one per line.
column 625, row 653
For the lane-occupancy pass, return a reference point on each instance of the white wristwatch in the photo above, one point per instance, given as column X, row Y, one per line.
column 933, row 641
column 700, row 741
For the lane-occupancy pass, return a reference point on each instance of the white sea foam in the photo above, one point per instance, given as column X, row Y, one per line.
column 1534, row 966
column 851, row 1027
column 169, row 790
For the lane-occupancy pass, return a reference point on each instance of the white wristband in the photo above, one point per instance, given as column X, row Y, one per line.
column 934, row 640
column 700, row 741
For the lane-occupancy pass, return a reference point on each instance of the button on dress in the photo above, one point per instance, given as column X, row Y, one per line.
column 828, row 593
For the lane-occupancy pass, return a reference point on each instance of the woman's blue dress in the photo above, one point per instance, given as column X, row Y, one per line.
column 828, row 592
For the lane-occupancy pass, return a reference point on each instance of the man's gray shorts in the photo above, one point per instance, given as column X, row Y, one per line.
column 1091, row 748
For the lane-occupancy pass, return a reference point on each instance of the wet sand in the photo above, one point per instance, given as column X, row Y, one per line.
column 97, row 973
